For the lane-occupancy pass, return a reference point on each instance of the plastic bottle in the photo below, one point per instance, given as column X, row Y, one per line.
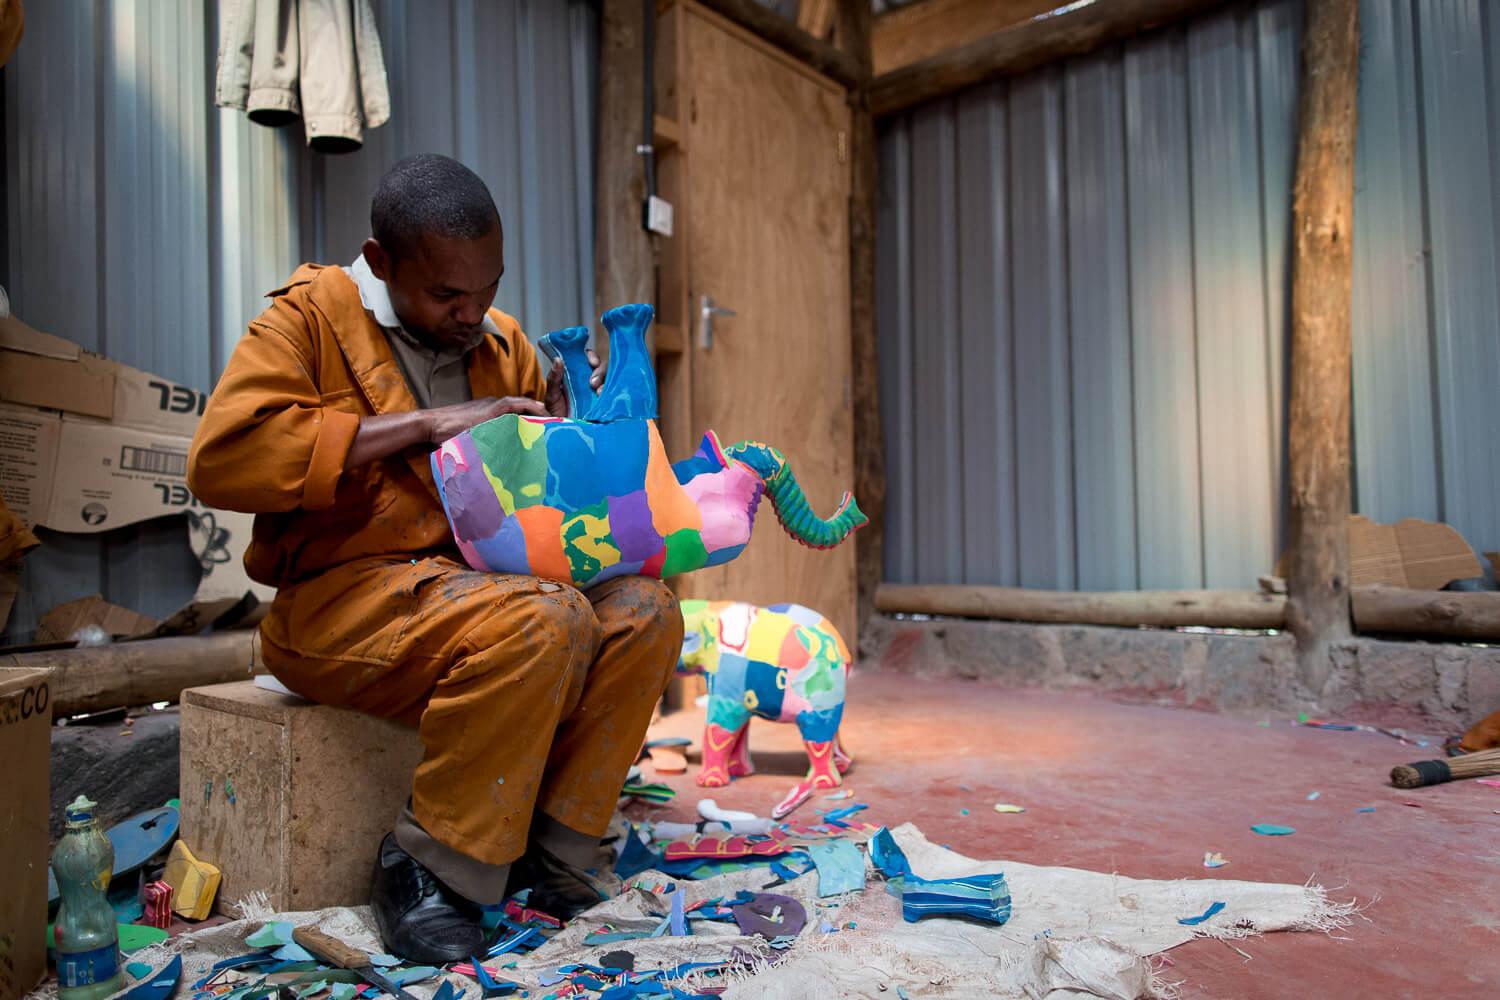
column 88, row 943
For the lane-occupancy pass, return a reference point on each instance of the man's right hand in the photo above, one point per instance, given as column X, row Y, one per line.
column 388, row 433
column 446, row 421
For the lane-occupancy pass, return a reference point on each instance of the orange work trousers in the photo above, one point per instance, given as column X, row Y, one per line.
column 528, row 694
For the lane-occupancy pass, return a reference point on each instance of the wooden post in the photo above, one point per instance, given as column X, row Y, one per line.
column 623, row 261
column 1322, row 281
column 869, row 442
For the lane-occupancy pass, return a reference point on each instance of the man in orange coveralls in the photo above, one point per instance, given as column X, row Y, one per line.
column 531, row 698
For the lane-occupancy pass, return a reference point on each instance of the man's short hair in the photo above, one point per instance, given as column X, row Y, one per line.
column 429, row 194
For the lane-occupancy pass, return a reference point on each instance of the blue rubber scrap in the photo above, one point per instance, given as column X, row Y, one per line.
column 678, row 916
column 1273, row 830
column 293, row 952
column 636, row 857
column 983, row 897
column 158, row 986
column 887, row 856
column 1207, row 914
column 837, row 816
column 841, row 867
column 489, row 986
column 274, row 934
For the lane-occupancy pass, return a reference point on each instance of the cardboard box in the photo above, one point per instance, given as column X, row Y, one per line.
column 88, row 444
column 38, row 369
column 25, row 747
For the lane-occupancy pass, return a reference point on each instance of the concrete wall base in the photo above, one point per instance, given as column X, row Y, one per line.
column 1443, row 686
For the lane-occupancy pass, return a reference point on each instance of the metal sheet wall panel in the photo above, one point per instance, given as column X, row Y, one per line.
column 51, row 172
column 895, row 346
column 1159, row 189
column 1458, row 147
column 146, row 224
column 938, row 464
column 985, row 348
column 1178, row 151
column 1039, row 311
column 1277, row 44
column 1099, row 325
column 1396, row 472
column 1234, row 416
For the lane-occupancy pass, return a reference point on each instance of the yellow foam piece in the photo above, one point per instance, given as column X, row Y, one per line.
column 194, row 883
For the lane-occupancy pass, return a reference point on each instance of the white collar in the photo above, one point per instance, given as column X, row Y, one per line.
column 376, row 298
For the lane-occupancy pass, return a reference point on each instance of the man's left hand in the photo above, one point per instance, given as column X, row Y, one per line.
column 557, row 393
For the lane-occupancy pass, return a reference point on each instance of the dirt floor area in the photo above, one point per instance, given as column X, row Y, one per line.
column 1145, row 791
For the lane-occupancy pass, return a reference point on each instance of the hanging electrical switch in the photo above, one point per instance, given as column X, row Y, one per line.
column 659, row 215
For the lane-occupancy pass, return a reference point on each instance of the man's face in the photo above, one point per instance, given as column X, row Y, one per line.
column 442, row 287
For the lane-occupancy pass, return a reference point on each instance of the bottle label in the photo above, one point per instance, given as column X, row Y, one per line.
column 83, row 968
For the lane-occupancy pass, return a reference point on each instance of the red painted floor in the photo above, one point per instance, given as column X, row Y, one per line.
column 1145, row 791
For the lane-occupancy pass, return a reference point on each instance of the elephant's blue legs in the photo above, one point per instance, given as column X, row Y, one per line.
column 572, row 345
column 629, row 391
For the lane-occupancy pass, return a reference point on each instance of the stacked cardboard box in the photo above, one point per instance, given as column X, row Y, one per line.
column 88, row 444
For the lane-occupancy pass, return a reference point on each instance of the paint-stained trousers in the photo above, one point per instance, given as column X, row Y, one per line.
column 530, row 696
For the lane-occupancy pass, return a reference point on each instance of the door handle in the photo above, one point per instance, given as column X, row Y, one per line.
column 706, row 313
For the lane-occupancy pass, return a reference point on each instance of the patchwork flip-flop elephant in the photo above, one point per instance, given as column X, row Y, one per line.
column 785, row 663
column 590, row 497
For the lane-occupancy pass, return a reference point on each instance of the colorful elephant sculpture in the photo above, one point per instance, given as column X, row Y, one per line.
column 785, row 663
column 590, row 497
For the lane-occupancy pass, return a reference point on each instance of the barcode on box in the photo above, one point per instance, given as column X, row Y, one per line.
column 159, row 463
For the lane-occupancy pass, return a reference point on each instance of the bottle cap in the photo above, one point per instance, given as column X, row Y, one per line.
column 80, row 810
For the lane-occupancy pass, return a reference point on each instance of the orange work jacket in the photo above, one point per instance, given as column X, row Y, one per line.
column 273, row 439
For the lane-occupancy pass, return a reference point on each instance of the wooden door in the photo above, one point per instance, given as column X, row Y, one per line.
column 767, row 206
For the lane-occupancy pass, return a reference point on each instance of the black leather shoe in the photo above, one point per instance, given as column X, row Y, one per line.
column 420, row 918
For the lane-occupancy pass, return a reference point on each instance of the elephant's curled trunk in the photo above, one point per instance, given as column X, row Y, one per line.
column 792, row 509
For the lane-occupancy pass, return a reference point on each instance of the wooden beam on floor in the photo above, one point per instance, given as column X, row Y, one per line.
column 1243, row 609
column 1444, row 613
column 130, row 674
column 1318, row 446
column 869, row 439
column 786, row 35
column 624, row 263
column 1068, row 29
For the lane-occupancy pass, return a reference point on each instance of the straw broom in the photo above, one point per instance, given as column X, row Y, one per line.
column 1435, row 772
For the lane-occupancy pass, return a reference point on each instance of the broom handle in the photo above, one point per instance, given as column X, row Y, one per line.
column 1435, row 772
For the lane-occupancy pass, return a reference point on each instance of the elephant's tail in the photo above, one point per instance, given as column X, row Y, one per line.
column 792, row 509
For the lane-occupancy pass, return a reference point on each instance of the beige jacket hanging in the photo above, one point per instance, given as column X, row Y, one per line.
column 319, row 59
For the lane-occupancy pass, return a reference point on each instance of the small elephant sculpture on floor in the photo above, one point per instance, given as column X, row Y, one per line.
column 785, row 663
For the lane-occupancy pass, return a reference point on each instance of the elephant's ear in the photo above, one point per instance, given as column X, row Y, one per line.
column 707, row 459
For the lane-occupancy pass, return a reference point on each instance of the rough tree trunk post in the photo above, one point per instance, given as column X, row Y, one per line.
column 624, row 266
column 869, row 443
column 1322, row 280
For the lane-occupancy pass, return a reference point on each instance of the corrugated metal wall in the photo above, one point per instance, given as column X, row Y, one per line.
column 1083, row 302
column 146, row 224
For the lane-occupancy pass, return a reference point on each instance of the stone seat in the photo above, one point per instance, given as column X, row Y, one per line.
column 289, row 798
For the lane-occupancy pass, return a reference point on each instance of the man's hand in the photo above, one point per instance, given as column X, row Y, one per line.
column 557, row 393
column 388, row 433
column 446, row 421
